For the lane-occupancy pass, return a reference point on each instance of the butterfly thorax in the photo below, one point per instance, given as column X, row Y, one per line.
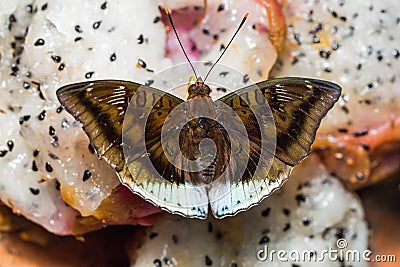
column 202, row 125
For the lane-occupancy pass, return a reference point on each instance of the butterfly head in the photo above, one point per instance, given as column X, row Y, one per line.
column 198, row 89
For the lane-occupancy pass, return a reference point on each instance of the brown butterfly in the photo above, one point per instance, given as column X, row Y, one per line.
column 185, row 155
column 296, row 107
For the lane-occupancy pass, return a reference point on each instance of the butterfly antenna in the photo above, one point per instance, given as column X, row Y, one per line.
column 177, row 37
column 226, row 48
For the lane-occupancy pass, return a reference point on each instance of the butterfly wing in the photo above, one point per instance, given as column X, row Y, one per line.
column 296, row 108
column 103, row 107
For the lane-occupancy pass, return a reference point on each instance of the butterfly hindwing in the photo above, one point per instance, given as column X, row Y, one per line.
column 296, row 108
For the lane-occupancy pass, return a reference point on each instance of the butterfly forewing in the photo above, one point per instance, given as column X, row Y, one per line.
column 100, row 106
column 297, row 105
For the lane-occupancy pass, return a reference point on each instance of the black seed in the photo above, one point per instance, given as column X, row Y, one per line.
column 396, row 53
column 36, row 152
column 10, row 145
column 370, row 49
column 39, row 42
column 77, row 39
column 42, row 115
column 61, row 67
column 360, row 175
column 215, row 37
column 29, row 8
column 59, row 109
column 140, row 39
column 14, row 68
column 246, row 78
column 175, row 239
column 167, row 261
column 223, row 74
column 233, row 265
column 300, row 198
column 324, row 53
column 206, row 31
column 286, row 227
column 64, row 123
column 266, row 212
column 12, row 18
column 78, row 28
column 54, row 140
column 44, row 7
column 153, row 235
column 149, row 82
column 286, row 211
column 34, row 166
column 335, row 45
column 3, row 153
column 89, row 75
column 52, row 131
column 86, row 175
column 113, row 57
column 296, row 36
column 333, row 13
column 208, row 261
column 48, row 167
column 307, row 221
column 221, row 7
column 26, row 117
column 141, row 63
column 96, row 25
column 157, row 263
column 343, row 130
column 104, row 5
column 27, row 85
column 365, row 147
column 222, row 48
column 360, row 133
column 222, row 89
column 264, row 240
column 53, row 156
column 34, row 191
column 156, row 19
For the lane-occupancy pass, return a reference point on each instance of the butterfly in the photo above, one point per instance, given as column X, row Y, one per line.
column 155, row 141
